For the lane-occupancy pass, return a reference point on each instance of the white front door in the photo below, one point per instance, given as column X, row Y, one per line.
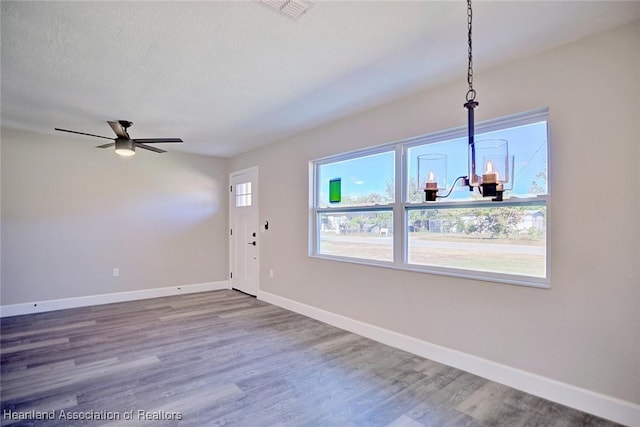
column 243, row 230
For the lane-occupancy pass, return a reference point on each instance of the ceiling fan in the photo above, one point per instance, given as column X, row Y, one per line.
column 125, row 146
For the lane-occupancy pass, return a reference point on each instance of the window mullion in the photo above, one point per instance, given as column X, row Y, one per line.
column 399, row 226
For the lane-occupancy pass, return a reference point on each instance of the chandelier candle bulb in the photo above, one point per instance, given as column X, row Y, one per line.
column 431, row 182
column 490, row 175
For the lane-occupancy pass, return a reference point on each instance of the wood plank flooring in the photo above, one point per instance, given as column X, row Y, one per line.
column 224, row 358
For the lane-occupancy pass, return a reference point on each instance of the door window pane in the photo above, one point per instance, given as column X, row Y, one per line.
column 243, row 194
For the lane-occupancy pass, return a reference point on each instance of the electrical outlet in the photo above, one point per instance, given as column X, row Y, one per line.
column 116, row 272
column 271, row 273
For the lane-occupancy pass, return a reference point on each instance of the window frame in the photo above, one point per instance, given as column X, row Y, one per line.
column 401, row 206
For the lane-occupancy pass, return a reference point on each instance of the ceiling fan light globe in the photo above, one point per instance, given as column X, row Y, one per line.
column 125, row 152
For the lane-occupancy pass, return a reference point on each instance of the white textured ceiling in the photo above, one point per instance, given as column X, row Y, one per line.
column 228, row 77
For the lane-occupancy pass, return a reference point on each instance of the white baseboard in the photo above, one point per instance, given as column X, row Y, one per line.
column 60, row 304
column 601, row 405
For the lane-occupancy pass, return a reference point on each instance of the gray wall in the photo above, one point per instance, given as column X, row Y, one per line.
column 585, row 330
column 71, row 213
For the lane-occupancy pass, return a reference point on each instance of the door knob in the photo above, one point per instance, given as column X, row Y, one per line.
column 252, row 243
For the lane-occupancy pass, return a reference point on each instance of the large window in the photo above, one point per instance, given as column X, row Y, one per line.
column 369, row 207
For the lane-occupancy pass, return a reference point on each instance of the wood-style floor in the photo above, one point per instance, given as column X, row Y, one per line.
column 224, row 358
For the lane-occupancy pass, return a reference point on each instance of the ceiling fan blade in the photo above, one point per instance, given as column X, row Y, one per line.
column 82, row 133
column 106, row 145
column 150, row 148
column 157, row 140
column 119, row 130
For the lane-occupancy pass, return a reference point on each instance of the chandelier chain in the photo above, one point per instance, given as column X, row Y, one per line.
column 471, row 93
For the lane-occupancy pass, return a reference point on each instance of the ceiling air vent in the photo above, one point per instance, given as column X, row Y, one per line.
column 291, row 8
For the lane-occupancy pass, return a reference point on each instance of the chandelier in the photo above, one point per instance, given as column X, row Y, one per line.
column 492, row 155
